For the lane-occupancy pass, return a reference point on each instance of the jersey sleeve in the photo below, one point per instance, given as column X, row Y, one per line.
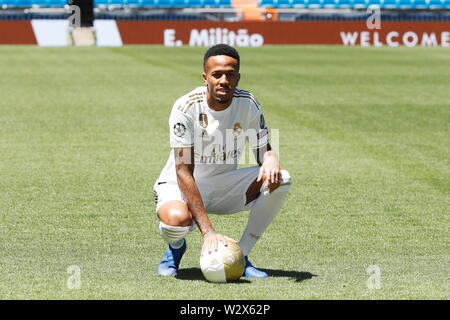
column 258, row 133
column 181, row 129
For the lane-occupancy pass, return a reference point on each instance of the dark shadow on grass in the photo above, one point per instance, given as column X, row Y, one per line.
column 196, row 274
column 298, row 276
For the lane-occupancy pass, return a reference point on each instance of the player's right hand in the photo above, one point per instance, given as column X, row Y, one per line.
column 211, row 241
column 270, row 171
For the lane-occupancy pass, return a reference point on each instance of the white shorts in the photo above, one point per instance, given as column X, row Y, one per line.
column 221, row 194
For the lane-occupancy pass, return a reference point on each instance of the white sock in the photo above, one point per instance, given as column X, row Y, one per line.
column 263, row 212
column 173, row 235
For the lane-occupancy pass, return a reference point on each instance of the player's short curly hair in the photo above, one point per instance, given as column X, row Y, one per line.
column 221, row 50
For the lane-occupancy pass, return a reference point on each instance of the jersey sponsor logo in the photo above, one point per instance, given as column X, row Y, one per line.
column 179, row 129
column 217, row 153
column 222, row 157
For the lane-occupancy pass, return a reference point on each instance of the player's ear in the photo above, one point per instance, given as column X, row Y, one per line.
column 204, row 77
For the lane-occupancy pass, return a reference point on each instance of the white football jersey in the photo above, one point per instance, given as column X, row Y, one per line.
column 218, row 137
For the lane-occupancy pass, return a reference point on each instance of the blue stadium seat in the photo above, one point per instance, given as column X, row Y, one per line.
column 58, row 3
column 117, row 3
column 300, row 3
column 164, row 3
column 224, row 3
column 41, row 3
column 359, row 4
column 374, row 3
column 133, row 3
column 149, row 3
column 21, row 3
column 405, row 4
column 179, row 3
column 390, row 4
column 268, row 4
column 435, row 4
column 344, row 4
column 102, row 3
column 284, row 4
column 420, row 4
column 329, row 4
column 29, row 3
column 195, row 3
column 211, row 4
column 314, row 4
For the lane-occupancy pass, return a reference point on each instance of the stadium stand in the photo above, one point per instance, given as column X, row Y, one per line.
column 230, row 10
column 314, row 4
column 329, row 4
column 277, row 4
column 404, row 4
column 284, row 4
column 210, row 4
column 109, row 27
column 299, row 4
column 389, row 4
column 344, row 4
column 266, row 4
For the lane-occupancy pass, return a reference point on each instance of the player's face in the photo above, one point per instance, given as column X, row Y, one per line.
column 221, row 77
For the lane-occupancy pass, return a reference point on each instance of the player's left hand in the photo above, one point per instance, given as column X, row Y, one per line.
column 270, row 171
column 211, row 241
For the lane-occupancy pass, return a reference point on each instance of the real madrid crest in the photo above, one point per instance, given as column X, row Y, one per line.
column 203, row 119
column 237, row 129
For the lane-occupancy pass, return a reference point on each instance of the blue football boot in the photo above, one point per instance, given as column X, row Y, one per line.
column 171, row 260
column 251, row 272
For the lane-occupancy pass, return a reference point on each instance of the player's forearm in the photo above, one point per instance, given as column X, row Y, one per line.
column 194, row 200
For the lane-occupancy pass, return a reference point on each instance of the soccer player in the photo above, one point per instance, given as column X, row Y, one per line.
column 208, row 130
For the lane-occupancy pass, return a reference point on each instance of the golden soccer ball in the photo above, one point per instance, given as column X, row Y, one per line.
column 224, row 265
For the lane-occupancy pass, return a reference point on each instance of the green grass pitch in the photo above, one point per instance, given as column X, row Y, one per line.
column 364, row 133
